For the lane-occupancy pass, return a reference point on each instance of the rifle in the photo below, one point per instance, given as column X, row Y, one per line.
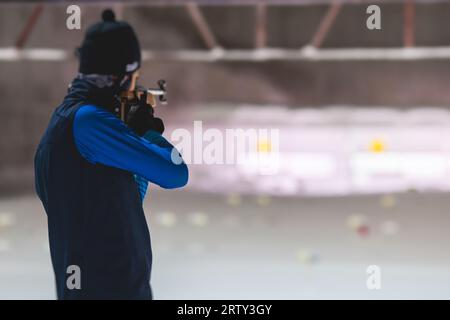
column 131, row 100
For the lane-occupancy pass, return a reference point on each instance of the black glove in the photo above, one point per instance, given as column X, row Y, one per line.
column 140, row 119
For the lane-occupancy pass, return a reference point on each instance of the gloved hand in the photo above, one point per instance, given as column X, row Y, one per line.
column 141, row 120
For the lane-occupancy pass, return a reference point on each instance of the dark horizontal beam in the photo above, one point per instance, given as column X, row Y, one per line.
column 220, row 2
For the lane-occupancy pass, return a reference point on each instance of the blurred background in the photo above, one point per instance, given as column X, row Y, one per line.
column 363, row 118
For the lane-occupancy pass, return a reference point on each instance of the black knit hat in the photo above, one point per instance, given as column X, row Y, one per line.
column 109, row 47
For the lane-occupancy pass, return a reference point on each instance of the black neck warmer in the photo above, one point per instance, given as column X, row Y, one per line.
column 83, row 90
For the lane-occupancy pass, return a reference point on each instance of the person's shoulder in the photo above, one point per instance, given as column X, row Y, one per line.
column 91, row 113
column 89, row 110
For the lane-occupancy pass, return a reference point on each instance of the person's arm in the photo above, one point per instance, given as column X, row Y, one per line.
column 101, row 137
column 141, row 182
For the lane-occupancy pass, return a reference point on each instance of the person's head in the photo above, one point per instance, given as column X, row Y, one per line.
column 111, row 48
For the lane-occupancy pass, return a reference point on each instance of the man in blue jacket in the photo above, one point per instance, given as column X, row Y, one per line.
column 91, row 173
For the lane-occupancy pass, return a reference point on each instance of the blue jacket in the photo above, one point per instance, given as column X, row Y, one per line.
column 86, row 168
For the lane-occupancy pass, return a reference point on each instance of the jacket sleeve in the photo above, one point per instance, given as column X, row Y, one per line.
column 101, row 137
column 142, row 183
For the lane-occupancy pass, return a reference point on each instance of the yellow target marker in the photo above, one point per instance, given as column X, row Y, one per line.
column 377, row 146
column 264, row 146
